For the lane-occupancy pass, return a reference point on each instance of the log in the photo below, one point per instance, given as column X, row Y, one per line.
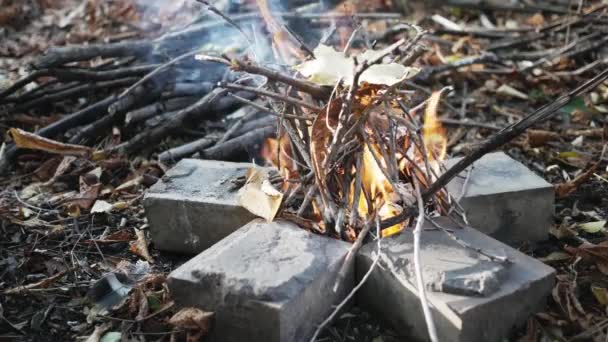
column 235, row 147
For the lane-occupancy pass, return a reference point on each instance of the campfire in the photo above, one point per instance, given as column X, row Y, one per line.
column 344, row 147
column 354, row 152
column 372, row 171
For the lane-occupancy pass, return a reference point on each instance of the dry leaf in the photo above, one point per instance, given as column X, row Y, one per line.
column 564, row 189
column 101, row 206
column 32, row 141
column 140, row 246
column 536, row 20
column 537, row 137
column 507, row 90
column 601, row 294
column 259, row 196
column 597, row 254
column 129, row 184
column 330, row 65
column 98, row 332
column 87, row 196
column 593, row 227
column 192, row 318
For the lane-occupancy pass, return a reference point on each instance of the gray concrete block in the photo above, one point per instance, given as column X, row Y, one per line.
column 194, row 206
column 512, row 292
column 265, row 282
column 504, row 199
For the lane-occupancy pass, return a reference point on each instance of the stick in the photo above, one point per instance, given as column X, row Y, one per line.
column 270, row 94
column 428, row 315
column 237, row 145
column 305, row 86
column 512, row 131
column 350, row 256
column 356, row 288
column 179, row 152
column 176, row 121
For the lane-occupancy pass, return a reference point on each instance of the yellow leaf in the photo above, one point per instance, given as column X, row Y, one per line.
column 593, row 227
column 601, row 294
column 259, row 196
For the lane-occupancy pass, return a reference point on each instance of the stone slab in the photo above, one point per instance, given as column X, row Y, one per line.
column 265, row 282
column 503, row 296
column 505, row 199
column 194, row 205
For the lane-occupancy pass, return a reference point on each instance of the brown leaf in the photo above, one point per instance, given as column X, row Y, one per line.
column 47, row 169
column 87, row 196
column 536, row 20
column 564, row 294
column 537, row 137
column 564, row 189
column 192, row 318
column 32, row 141
column 140, row 246
column 597, row 254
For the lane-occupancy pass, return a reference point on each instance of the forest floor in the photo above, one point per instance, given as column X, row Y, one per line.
column 55, row 242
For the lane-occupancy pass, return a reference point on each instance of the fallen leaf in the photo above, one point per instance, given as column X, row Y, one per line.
column 601, row 294
column 596, row 253
column 87, row 196
column 564, row 189
column 129, row 184
column 101, row 206
column 593, row 227
column 537, row 137
column 536, row 20
column 32, row 141
column 507, row 90
column 98, row 332
column 562, row 232
column 556, row 256
column 140, row 246
column 192, row 318
column 259, row 196
column 111, row 336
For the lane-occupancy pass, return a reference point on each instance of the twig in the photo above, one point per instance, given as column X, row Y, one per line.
column 231, row 23
column 350, row 257
column 156, row 72
column 302, row 85
column 451, row 235
column 514, row 130
column 179, row 152
column 428, row 315
column 359, row 285
column 267, row 93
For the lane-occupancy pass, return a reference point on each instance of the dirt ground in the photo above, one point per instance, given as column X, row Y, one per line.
column 55, row 247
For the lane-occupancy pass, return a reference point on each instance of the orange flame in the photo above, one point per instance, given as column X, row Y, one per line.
column 377, row 186
column 434, row 135
column 277, row 152
column 285, row 44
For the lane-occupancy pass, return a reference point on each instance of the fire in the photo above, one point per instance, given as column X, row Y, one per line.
column 377, row 195
column 434, row 135
column 376, row 185
column 277, row 152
